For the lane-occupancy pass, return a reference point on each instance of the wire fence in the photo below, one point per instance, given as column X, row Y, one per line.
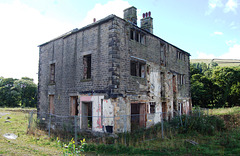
column 142, row 126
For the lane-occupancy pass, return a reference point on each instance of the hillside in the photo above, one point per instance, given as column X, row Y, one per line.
column 220, row 62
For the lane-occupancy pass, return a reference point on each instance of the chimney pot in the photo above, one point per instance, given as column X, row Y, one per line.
column 146, row 14
column 94, row 20
column 149, row 13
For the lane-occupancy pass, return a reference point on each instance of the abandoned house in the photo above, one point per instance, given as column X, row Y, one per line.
column 114, row 74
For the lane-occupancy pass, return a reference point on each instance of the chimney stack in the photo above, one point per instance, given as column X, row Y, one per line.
column 147, row 22
column 130, row 15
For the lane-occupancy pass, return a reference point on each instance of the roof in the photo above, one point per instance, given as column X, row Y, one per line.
column 106, row 19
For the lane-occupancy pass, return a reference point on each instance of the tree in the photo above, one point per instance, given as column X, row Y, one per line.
column 28, row 92
column 9, row 96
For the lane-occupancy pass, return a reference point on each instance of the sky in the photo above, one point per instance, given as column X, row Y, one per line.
column 206, row 29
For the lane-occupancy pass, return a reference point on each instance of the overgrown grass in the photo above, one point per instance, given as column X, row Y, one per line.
column 195, row 135
column 199, row 135
column 225, row 111
column 36, row 143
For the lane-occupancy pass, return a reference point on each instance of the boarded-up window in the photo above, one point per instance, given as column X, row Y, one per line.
column 87, row 67
column 52, row 73
column 174, row 84
column 163, row 51
column 162, row 84
column 74, row 105
column 51, row 104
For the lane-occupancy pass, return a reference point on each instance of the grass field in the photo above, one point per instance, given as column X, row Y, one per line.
column 25, row 144
column 225, row 142
column 221, row 62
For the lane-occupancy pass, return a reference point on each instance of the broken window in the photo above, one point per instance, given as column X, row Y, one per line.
column 52, row 73
column 152, row 107
column 137, row 68
column 141, row 70
column 87, row 67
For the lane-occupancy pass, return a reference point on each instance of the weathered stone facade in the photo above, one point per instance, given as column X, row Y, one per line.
column 110, row 70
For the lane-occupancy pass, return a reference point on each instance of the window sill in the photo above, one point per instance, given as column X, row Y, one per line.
column 86, row 80
column 52, row 84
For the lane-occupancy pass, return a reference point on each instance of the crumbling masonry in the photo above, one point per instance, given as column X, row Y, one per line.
column 113, row 68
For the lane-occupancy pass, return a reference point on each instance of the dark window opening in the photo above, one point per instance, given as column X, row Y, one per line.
column 131, row 34
column 137, row 68
column 87, row 67
column 152, row 107
column 133, row 68
column 137, row 36
column 52, row 73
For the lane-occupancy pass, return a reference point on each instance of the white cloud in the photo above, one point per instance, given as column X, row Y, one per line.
column 231, row 42
column 202, row 55
column 22, row 30
column 212, row 5
column 233, row 52
column 102, row 10
column 218, row 33
column 231, row 5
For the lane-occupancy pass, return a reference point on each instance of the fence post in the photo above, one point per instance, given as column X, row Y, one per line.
column 180, row 112
column 75, row 128
column 125, row 129
column 49, row 126
column 30, row 120
column 162, row 124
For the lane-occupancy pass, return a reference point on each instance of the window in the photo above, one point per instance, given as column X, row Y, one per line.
column 74, row 105
column 52, row 73
column 87, row 67
column 137, row 36
column 163, row 51
column 51, row 104
column 141, row 70
column 181, row 79
column 133, row 68
column 152, row 107
column 137, row 68
column 131, row 34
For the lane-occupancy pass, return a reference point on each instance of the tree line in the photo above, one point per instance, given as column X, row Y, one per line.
column 18, row 92
column 214, row 86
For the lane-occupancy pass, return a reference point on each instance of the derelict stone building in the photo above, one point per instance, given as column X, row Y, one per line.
column 113, row 68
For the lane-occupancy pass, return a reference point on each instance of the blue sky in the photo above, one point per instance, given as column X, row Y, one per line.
column 204, row 28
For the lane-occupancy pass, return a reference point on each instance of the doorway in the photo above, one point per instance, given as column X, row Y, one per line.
column 138, row 113
column 87, row 115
